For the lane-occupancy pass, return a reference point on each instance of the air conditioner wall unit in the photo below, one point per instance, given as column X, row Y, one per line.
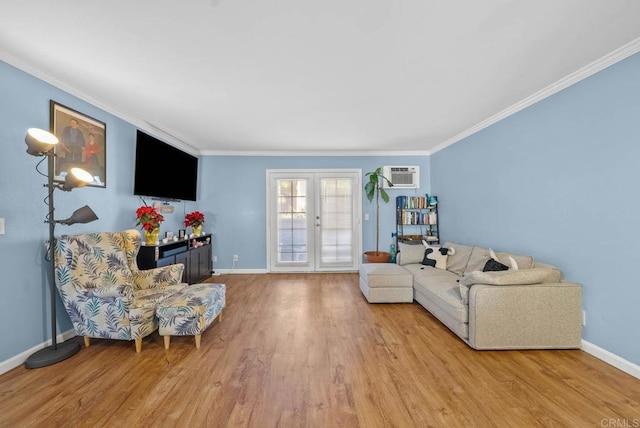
column 406, row 177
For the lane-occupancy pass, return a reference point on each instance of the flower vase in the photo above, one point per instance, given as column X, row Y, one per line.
column 197, row 230
column 151, row 236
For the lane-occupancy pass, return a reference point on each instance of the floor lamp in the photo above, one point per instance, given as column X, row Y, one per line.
column 42, row 143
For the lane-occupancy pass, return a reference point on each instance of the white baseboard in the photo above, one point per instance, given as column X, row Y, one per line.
column 19, row 359
column 611, row 358
column 238, row 271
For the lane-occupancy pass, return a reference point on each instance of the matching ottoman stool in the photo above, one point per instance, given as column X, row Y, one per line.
column 190, row 311
column 386, row 283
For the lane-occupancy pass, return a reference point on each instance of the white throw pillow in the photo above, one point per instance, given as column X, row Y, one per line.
column 437, row 257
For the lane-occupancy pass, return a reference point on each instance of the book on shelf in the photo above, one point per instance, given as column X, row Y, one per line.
column 417, row 218
column 416, row 202
column 411, row 202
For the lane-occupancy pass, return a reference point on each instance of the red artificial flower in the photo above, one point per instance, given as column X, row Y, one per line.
column 149, row 218
column 195, row 218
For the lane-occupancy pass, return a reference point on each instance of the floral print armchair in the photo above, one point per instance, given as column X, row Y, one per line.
column 104, row 293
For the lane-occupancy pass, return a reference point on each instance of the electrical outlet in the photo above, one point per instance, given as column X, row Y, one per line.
column 215, row 259
column 584, row 318
column 235, row 257
column 1, row 226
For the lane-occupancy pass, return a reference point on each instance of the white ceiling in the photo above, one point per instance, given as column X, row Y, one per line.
column 314, row 76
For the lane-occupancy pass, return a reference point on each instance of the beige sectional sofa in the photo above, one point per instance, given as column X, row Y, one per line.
column 528, row 306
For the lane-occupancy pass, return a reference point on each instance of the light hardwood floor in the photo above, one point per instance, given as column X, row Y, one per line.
column 296, row 350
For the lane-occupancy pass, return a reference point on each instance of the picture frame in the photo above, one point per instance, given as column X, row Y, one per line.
column 82, row 143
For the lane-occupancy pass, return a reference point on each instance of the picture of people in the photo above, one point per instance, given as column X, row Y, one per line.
column 72, row 141
column 82, row 144
column 91, row 153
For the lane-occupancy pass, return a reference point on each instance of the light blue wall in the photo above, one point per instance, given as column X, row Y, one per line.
column 559, row 180
column 24, row 296
column 234, row 196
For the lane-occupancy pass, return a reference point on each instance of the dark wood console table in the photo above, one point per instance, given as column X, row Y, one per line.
column 194, row 253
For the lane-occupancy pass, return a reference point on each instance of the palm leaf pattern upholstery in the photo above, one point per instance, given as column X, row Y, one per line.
column 192, row 310
column 104, row 292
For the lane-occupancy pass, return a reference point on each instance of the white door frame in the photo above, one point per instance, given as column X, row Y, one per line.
column 357, row 213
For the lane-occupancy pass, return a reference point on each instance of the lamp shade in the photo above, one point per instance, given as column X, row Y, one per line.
column 39, row 141
column 81, row 215
column 77, row 177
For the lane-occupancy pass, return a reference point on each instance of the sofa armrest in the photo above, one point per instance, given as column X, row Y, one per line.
column 535, row 316
column 158, row 277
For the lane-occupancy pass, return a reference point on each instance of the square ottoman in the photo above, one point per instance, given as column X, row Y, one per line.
column 386, row 283
column 190, row 311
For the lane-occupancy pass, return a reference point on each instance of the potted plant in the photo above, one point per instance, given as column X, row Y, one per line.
column 373, row 189
column 195, row 220
column 149, row 218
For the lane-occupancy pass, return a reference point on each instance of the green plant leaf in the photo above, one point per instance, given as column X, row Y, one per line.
column 370, row 190
column 385, row 196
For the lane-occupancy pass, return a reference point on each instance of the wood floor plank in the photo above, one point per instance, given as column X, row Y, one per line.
column 307, row 350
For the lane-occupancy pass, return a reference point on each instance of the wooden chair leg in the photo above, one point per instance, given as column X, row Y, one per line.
column 139, row 345
column 87, row 341
column 198, row 338
column 167, row 341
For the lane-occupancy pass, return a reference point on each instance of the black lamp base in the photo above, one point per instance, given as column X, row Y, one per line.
column 51, row 355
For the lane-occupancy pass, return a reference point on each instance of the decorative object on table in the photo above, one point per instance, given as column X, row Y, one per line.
column 82, row 144
column 374, row 189
column 182, row 233
column 149, row 218
column 195, row 220
column 42, row 143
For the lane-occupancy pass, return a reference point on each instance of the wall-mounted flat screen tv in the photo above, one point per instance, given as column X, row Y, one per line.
column 163, row 171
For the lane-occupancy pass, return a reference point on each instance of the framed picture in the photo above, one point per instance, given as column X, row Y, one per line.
column 82, row 143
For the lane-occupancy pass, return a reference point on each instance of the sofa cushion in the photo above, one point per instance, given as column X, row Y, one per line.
column 457, row 262
column 385, row 275
column 477, row 259
column 512, row 277
column 480, row 256
column 444, row 293
column 508, row 277
column 419, row 271
column 523, row 262
column 409, row 254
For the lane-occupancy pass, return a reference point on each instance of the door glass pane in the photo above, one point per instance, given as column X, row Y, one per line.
column 292, row 220
column 336, row 220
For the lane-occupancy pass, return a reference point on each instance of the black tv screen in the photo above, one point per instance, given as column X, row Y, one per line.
column 163, row 171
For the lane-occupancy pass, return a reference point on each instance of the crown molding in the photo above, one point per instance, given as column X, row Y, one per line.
column 314, row 153
column 142, row 125
column 575, row 77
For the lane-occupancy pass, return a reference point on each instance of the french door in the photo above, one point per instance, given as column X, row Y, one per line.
column 314, row 220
